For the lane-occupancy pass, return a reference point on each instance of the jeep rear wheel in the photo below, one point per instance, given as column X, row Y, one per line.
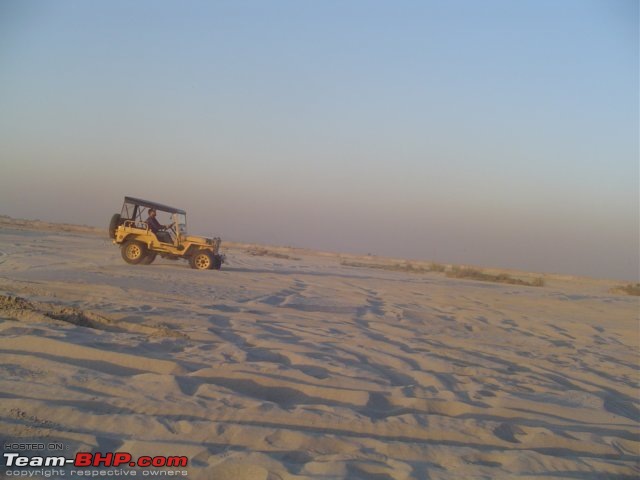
column 148, row 258
column 133, row 252
column 201, row 260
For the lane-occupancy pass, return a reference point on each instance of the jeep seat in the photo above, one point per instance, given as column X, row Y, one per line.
column 164, row 237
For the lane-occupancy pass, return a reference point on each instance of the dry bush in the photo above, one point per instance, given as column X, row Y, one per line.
column 630, row 289
column 475, row 274
column 263, row 252
column 438, row 267
column 397, row 267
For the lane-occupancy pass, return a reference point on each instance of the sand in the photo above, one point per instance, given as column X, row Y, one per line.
column 287, row 364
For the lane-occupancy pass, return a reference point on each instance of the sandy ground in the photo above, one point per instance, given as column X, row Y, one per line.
column 300, row 367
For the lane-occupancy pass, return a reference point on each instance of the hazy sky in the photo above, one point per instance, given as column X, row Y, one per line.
column 495, row 133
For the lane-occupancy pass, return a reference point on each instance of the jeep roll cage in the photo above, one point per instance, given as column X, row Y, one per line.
column 134, row 208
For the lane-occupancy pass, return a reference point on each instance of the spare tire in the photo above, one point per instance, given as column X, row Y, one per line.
column 113, row 225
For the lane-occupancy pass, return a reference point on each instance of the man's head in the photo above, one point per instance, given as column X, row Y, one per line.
column 152, row 212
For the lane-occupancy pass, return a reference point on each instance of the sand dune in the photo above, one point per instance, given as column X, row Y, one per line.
column 289, row 365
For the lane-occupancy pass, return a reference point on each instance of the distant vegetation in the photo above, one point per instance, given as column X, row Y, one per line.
column 452, row 272
column 397, row 267
column 475, row 274
column 631, row 289
column 263, row 252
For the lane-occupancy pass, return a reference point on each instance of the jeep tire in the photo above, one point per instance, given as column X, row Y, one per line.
column 201, row 260
column 148, row 258
column 133, row 252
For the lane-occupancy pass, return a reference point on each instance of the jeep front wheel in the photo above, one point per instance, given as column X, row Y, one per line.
column 201, row 260
column 133, row 252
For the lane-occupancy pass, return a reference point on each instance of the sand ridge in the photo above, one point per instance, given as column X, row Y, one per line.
column 296, row 366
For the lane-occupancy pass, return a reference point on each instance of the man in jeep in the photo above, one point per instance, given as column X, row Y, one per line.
column 157, row 228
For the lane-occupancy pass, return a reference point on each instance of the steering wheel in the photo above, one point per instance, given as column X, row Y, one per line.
column 172, row 227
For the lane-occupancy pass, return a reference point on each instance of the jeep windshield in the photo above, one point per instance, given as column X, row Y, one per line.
column 181, row 222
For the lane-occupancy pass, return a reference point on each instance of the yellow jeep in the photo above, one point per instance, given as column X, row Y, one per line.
column 139, row 245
